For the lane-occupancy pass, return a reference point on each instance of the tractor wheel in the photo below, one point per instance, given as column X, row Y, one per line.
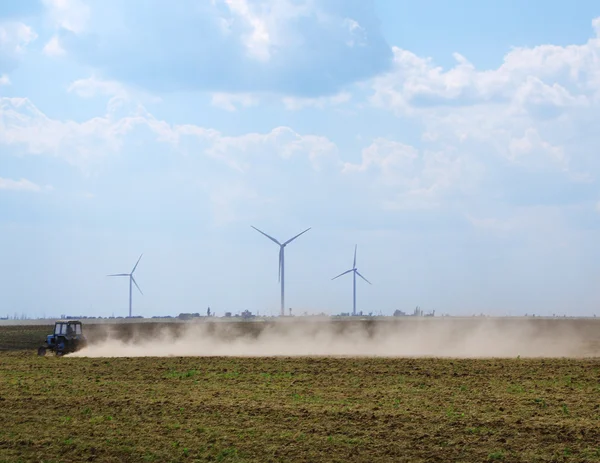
column 41, row 351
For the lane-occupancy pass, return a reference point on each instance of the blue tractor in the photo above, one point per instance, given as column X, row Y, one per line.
column 67, row 337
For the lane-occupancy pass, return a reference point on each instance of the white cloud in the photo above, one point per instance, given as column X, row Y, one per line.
column 258, row 41
column 4, row 79
column 357, row 35
column 231, row 101
column 389, row 157
column 534, row 111
column 21, row 123
column 14, row 37
column 534, row 96
column 542, row 81
column 21, row 185
column 476, row 127
column 289, row 47
column 267, row 24
column 53, row 47
column 92, row 86
column 410, row 178
column 234, row 101
column 280, row 143
column 532, row 144
column 122, row 101
column 71, row 15
column 549, row 75
column 238, row 173
column 294, row 103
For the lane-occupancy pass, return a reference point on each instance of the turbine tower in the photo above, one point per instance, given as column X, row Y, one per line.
column 281, row 263
column 131, row 281
column 355, row 272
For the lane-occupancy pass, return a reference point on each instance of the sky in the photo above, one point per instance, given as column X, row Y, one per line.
column 455, row 143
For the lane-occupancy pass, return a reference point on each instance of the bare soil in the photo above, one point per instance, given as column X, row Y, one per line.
column 282, row 409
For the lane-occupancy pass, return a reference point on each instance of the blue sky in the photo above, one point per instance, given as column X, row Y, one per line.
column 454, row 142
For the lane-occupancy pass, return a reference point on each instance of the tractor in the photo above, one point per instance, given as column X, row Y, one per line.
column 67, row 337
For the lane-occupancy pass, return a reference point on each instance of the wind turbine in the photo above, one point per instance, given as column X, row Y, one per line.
column 355, row 272
column 281, row 262
column 131, row 280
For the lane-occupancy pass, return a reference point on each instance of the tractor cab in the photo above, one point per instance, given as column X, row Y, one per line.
column 68, row 329
column 67, row 337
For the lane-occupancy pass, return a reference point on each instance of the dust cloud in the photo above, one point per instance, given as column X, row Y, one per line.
column 458, row 338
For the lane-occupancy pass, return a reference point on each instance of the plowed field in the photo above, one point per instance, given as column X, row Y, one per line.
column 298, row 409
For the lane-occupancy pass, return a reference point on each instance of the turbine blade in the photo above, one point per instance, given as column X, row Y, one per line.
column 347, row 271
column 136, row 264
column 292, row 239
column 118, row 275
column 136, row 285
column 358, row 273
column 354, row 265
column 270, row 237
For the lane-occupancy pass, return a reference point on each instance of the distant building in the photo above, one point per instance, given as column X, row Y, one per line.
column 418, row 312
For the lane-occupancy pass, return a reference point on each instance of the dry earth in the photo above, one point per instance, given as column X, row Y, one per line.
column 285, row 409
